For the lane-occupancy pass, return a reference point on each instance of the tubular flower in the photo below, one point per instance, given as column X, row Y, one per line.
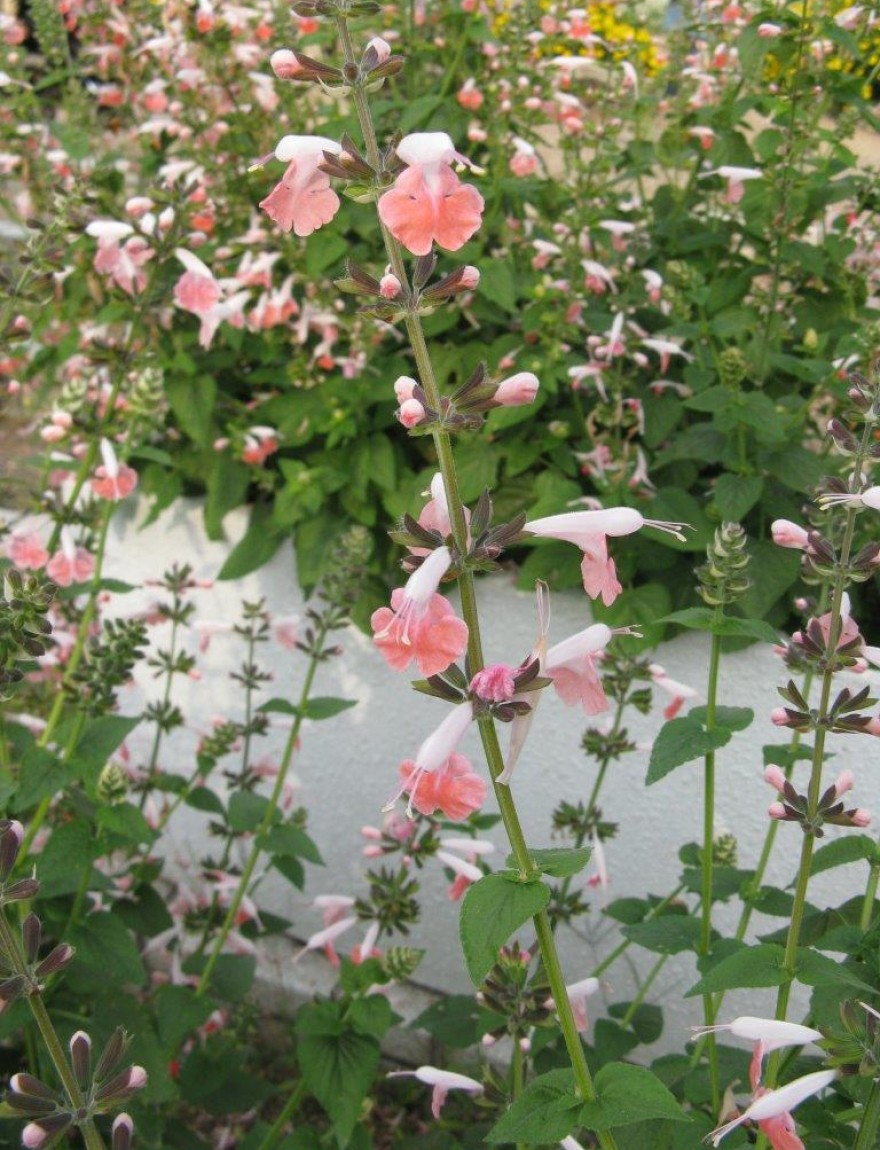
column 442, row 1081
column 773, row 1106
column 438, row 778
column 420, row 624
column 572, row 667
column 589, row 529
column 113, row 480
column 303, row 200
column 428, row 203
column 70, row 564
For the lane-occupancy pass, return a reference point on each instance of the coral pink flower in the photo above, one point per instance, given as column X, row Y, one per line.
column 442, row 1082
column 680, row 692
column 113, row 480
column 196, row 291
column 259, row 444
column 777, row 1104
column 303, row 200
column 588, row 529
column 71, row 564
column 524, row 161
column 27, row 551
column 428, row 203
column 421, row 624
column 571, row 665
column 438, row 778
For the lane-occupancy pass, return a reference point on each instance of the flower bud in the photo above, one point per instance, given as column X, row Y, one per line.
column 517, row 390
column 404, row 386
column 411, row 412
column 285, row 64
column 81, row 1058
column 11, row 838
column 111, row 1054
column 31, row 936
column 55, row 960
column 775, row 777
column 123, row 1129
column 389, row 286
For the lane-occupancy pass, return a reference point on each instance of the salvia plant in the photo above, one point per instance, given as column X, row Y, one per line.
column 532, row 285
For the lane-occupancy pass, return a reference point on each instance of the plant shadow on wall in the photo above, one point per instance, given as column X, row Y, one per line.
column 651, row 345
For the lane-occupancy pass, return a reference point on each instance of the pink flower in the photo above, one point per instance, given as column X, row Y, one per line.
column 411, row 412
column 71, row 564
column 428, row 203
column 524, row 161
column 588, row 529
column 776, row 1104
column 113, row 480
column 303, row 200
column 27, row 551
column 196, row 291
column 442, row 1081
column 571, row 665
column 438, row 778
column 421, row 624
column 577, row 994
column 680, row 691
column 259, row 444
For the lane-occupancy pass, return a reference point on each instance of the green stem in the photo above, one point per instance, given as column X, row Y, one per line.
column 290, row 1106
column 623, row 946
column 268, row 816
column 643, row 990
column 870, row 897
column 814, row 791
column 76, row 655
column 488, row 734
column 517, row 1079
column 708, row 845
column 868, row 1137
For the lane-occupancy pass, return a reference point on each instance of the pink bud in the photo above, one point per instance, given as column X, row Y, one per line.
column 470, row 277
column 517, row 390
column 404, row 387
column 33, row 1136
column 389, row 286
column 777, row 811
column 285, row 64
column 769, row 31
column 779, row 717
column 845, row 782
column 788, row 534
column 381, row 47
column 137, row 1078
column 775, row 777
column 860, row 818
column 411, row 412
column 494, row 684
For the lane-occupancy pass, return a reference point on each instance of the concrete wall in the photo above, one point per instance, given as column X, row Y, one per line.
column 347, row 767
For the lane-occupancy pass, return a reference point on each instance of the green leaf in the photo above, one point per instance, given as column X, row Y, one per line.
column 546, row 1111
column 667, row 934
column 246, row 811
column 126, row 821
column 558, row 862
column 42, row 774
column 179, row 1013
column 497, row 284
column 815, row 969
column 71, row 849
column 493, row 908
column 204, row 799
column 325, row 707
column 105, row 952
column 759, row 965
column 849, row 849
column 703, row 619
column 232, row 976
column 193, row 401
column 456, row 1020
column 733, row 718
column 736, row 495
column 291, row 841
column 337, row 1063
column 97, row 742
column 227, row 482
column 627, row 1094
column 256, row 547
column 681, row 741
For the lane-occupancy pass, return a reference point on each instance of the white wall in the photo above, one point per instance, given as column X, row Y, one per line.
column 347, row 766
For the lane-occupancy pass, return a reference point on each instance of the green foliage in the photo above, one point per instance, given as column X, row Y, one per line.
column 492, row 910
